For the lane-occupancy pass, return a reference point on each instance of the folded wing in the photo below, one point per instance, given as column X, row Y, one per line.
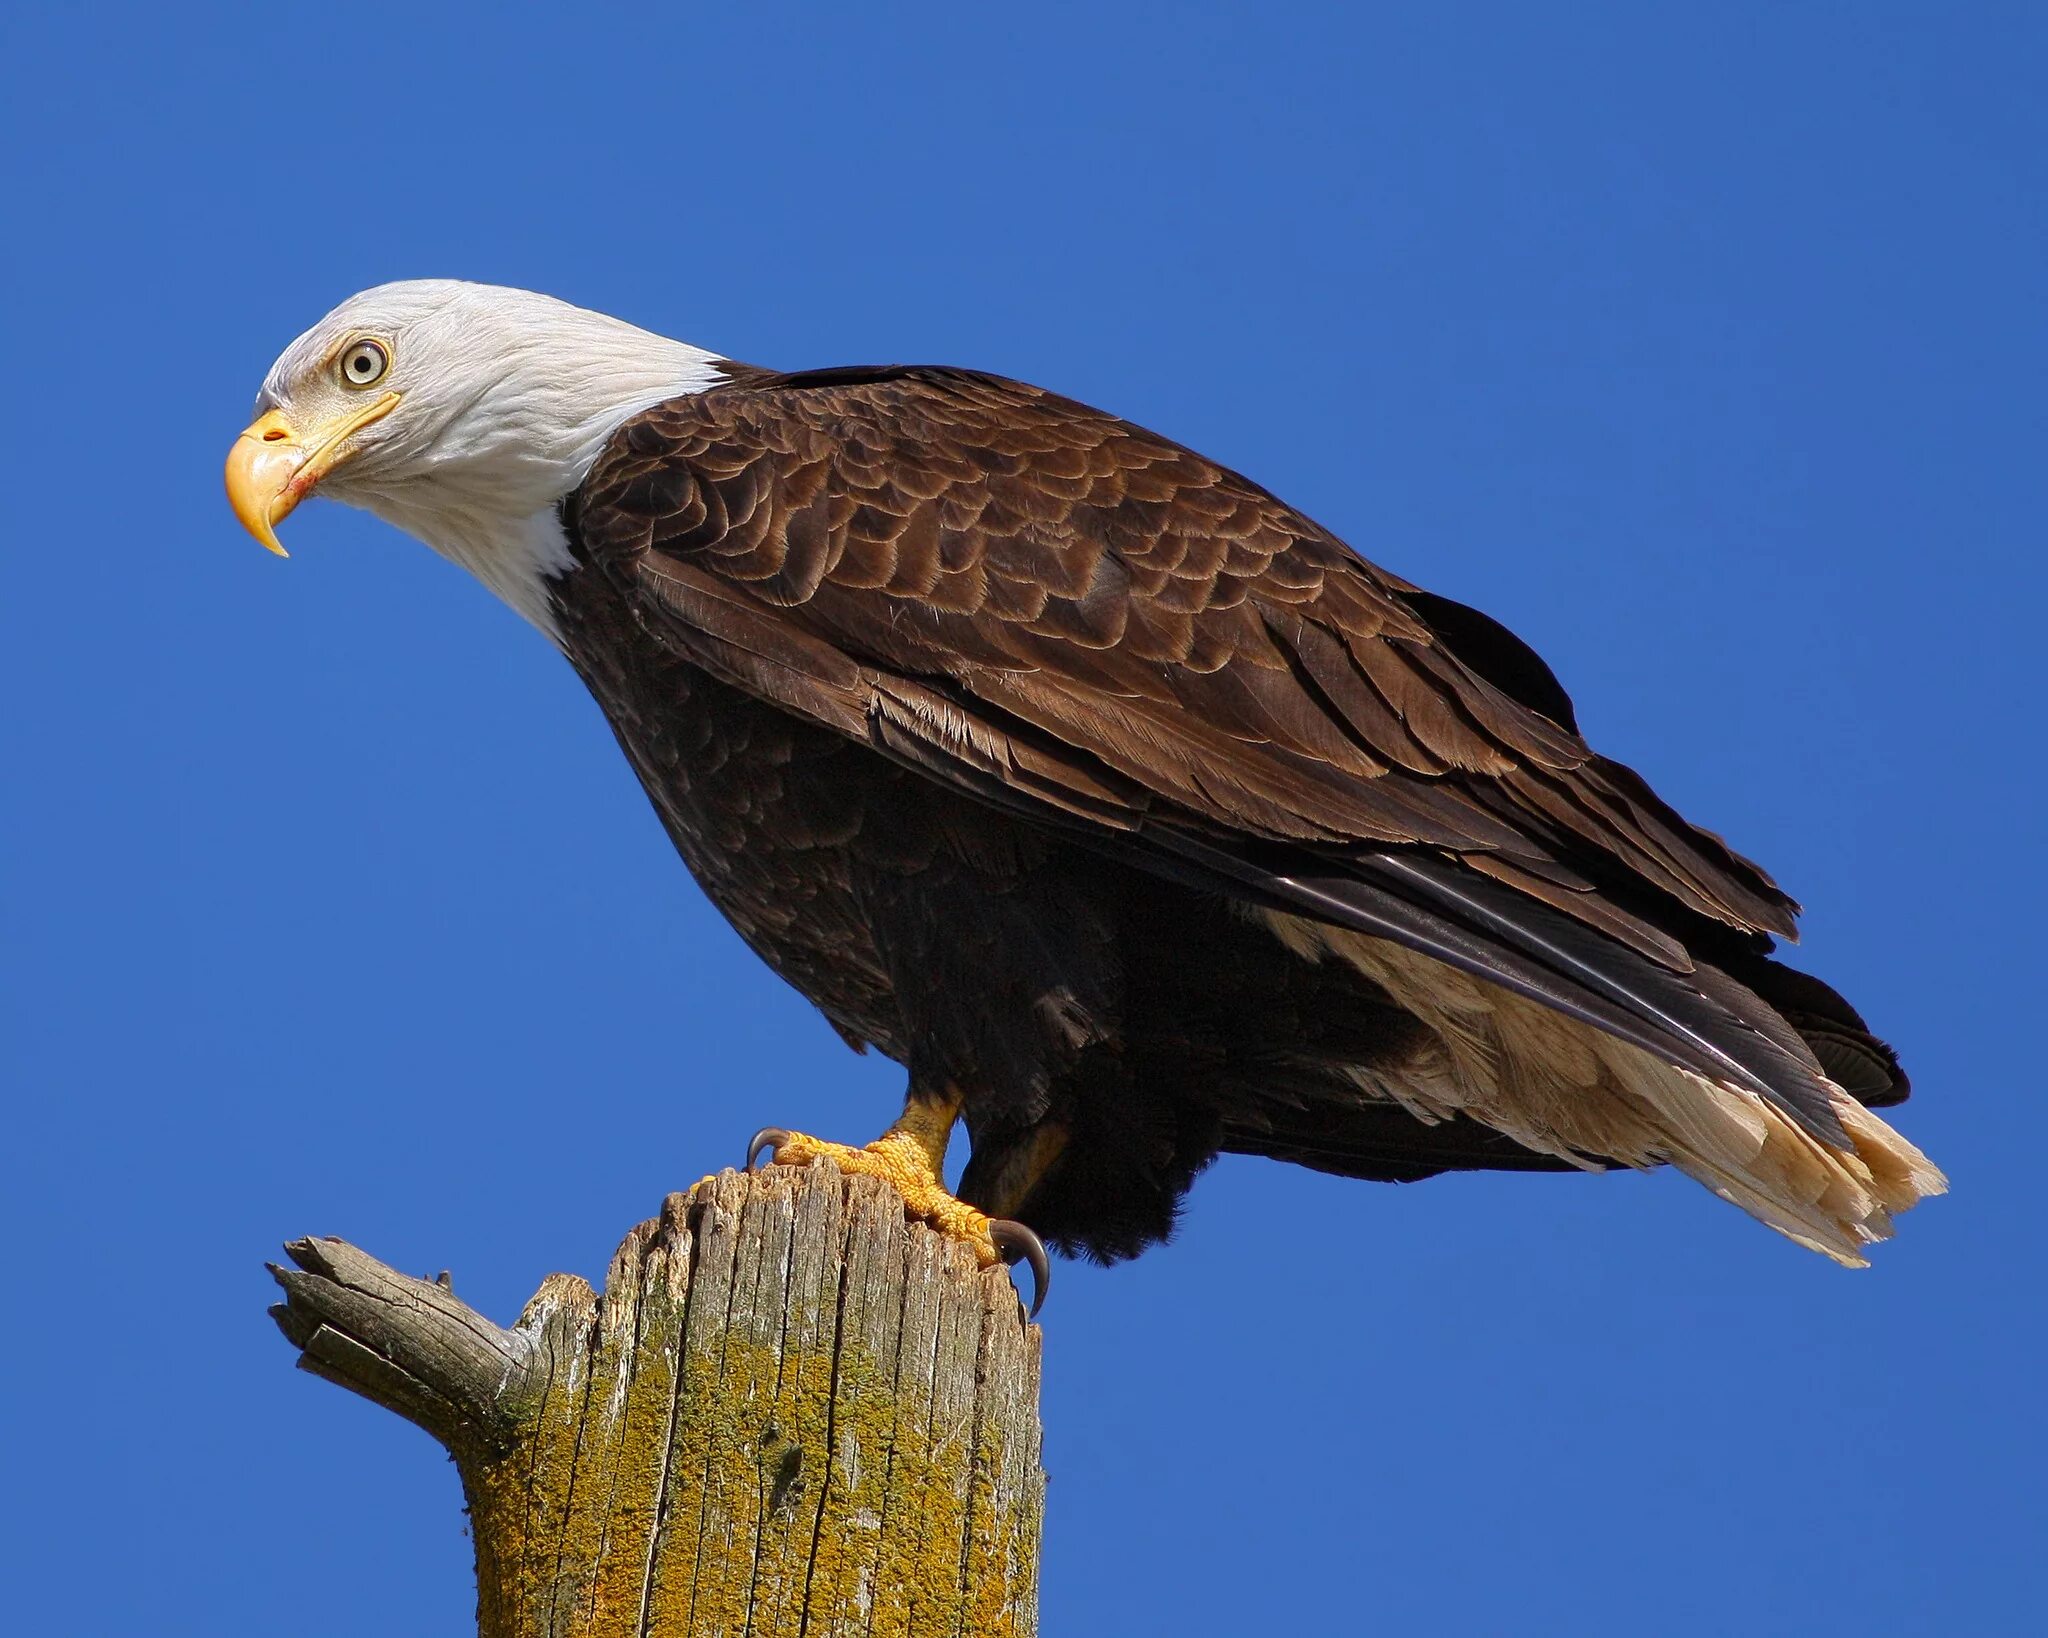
column 1066, row 615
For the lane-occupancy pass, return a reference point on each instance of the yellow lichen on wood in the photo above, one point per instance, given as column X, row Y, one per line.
column 790, row 1412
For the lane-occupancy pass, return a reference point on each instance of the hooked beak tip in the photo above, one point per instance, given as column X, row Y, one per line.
column 261, row 465
column 271, row 469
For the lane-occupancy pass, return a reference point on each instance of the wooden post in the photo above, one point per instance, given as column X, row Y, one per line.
column 789, row 1412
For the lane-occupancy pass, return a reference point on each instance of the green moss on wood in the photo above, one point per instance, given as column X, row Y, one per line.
column 788, row 1413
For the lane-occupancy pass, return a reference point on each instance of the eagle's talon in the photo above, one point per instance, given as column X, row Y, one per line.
column 908, row 1157
column 1015, row 1243
column 770, row 1138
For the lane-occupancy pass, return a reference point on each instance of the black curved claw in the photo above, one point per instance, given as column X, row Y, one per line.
column 769, row 1137
column 1015, row 1243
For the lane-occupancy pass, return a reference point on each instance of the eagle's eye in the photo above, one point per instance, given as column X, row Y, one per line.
column 363, row 363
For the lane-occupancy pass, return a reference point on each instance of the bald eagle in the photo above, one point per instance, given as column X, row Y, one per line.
column 1131, row 811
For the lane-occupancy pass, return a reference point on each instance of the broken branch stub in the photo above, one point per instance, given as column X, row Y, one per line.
column 788, row 1412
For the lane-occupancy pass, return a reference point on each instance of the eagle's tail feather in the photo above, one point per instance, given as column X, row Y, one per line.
column 1560, row 1086
column 1834, row 1200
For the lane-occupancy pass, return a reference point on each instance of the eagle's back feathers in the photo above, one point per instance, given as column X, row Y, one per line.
column 1131, row 670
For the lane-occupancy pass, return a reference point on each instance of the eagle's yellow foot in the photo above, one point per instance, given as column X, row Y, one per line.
column 908, row 1157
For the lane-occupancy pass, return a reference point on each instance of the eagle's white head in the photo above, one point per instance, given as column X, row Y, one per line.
column 462, row 413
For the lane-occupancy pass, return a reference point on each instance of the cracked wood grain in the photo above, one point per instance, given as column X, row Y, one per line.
column 789, row 1414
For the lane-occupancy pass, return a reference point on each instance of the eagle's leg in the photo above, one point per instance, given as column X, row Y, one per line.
column 911, row 1158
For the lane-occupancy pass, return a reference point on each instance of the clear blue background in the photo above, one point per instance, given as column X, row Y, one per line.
column 1704, row 345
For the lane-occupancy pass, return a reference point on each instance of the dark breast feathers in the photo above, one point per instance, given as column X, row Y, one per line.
column 1085, row 776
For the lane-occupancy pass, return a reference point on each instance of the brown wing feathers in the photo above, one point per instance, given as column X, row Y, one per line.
column 1061, row 612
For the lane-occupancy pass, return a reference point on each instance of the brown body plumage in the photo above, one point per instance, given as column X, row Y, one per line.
column 1110, row 794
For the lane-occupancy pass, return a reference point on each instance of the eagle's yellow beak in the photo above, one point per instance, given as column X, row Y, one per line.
column 271, row 468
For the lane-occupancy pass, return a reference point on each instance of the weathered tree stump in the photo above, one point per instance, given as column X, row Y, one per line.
column 789, row 1412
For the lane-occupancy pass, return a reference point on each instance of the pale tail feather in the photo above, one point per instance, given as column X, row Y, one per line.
column 1565, row 1088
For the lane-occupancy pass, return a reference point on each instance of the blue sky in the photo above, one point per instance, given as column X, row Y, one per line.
column 1703, row 345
